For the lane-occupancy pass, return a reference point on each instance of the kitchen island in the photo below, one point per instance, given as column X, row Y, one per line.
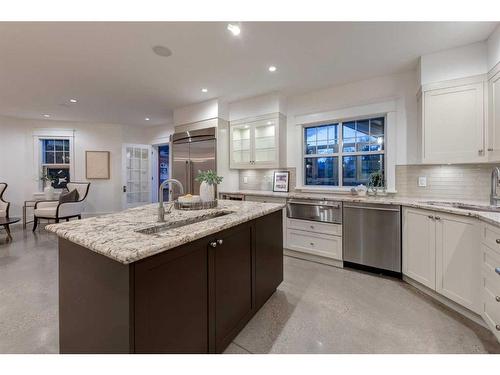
column 128, row 284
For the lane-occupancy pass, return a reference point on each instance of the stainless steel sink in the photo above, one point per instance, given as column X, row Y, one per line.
column 465, row 206
column 180, row 223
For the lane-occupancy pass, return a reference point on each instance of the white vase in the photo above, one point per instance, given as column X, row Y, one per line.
column 49, row 192
column 207, row 192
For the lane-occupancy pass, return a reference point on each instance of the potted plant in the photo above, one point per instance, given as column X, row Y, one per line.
column 376, row 181
column 48, row 180
column 208, row 180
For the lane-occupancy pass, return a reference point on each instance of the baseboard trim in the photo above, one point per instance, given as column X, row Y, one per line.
column 447, row 302
column 313, row 258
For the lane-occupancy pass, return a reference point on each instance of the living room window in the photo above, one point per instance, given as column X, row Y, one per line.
column 55, row 160
column 344, row 153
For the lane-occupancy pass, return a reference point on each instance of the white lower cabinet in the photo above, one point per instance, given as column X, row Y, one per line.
column 490, row 278
column 311, row 237
column 441, row 251
column 457, row 260
column 419, row 246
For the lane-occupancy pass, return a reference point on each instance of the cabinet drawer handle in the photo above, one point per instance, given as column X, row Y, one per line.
column 430, row 217
column 220, row 242
column 497, row 241
column 497, row 298
column 497, row 327
column 497, row 270
column 311, row 243
column 213, row 244
column 437, row 218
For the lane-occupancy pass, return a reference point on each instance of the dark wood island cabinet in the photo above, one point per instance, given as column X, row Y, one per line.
column 194, row 298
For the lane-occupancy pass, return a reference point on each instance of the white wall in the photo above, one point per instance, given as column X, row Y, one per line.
column 454, row 63
column 494, row 48
column 196, row 112
column 159, row 134
column 401, row 88
column 256, row 106
column 17, row 161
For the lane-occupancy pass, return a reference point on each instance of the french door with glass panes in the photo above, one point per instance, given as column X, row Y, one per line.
column 136, row 175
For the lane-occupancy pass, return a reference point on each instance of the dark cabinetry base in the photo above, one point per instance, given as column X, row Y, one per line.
column 191, row 299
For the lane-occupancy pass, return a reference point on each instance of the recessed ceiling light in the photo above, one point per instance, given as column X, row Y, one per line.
column 272, row 68
column 46, row 115
column 235, row 29
column 147, row 119
column 204, row 90
column 73, row 100
column 162, row 51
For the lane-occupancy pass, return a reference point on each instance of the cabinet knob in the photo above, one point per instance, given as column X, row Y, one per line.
column 220, row 242
column 430, row 217
column 480, row 152
column 311, row 243
column 497, row 270
column 312, row 226
column 497, row 327
column 497, row 298
column 213, row 244
column 497, row 241
column 437, row 218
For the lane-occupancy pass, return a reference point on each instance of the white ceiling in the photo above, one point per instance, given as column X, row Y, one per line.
column 112, row 71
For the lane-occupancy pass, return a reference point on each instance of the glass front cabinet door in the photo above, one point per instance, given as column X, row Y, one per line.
column 255, row 142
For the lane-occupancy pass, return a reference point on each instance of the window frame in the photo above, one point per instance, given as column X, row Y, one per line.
column 38, row 136
column 340, row 153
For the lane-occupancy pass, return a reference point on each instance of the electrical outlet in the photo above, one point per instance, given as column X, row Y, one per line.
column 422, row 181
column 245, row 180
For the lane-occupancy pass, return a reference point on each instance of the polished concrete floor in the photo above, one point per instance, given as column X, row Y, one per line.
column 317, row 309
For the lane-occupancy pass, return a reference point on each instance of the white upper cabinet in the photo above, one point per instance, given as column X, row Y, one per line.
column 494, row 116
column 453, row 122
column 258, row 142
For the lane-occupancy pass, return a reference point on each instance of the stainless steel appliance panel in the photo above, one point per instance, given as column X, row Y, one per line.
column 180, row 165
column 372, row 235
column 202, row 158
column 193, row 151
column 324, row 211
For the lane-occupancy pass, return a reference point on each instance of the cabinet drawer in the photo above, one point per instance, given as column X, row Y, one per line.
column 489, row 236
column 315, row 243
column 315, row 226
column 490, row 260
column 491, row 305
column 263, row 199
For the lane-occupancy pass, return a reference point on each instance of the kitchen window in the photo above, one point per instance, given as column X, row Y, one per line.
column 344, row 153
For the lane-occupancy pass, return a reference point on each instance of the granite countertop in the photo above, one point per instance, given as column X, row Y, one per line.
column 116, row 235
column 488, row 217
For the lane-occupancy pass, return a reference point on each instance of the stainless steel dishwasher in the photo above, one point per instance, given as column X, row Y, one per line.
column 372, row 237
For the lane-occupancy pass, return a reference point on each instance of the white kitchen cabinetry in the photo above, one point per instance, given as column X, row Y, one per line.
column 419, row 246
column 457, row 260
column 453, row 121
column 441, row 251
column 315, row 238
column 490, row 278
column 494, row 115
column 258, row 142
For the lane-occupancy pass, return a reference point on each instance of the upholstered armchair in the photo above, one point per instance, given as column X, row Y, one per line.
column 55, row 210
column 4, row 206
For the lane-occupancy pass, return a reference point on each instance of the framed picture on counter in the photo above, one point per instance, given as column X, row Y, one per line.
column 281, row 181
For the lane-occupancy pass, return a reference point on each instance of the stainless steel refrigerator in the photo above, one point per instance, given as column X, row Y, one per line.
column 192, row 151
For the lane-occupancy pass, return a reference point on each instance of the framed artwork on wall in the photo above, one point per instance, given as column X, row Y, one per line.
column 97, row 165
column 281, row 181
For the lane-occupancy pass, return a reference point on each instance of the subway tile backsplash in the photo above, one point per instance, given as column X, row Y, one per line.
column 262, row 179
column 462, row 181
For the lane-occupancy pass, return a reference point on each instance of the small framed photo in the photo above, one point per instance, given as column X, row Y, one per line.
column 281, row 181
